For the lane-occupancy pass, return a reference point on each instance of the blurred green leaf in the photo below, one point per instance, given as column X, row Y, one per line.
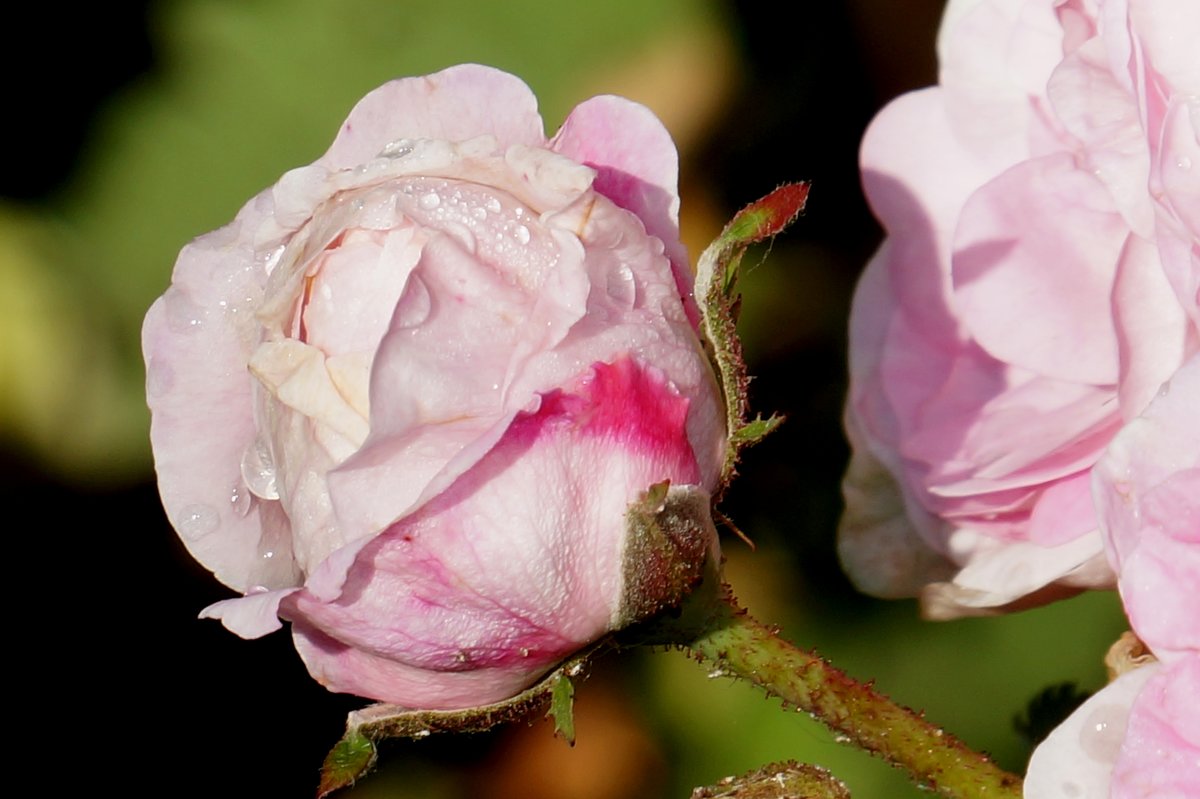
column 351, row 758
column 562, row 708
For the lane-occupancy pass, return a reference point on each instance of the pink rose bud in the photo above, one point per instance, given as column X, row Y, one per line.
column 406, row 399
column 1038, row 284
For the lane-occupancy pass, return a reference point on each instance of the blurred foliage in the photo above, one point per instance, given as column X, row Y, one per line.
column 241, row 91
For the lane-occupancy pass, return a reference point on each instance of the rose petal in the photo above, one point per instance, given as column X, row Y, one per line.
column 994, row 57
column 1147, row 489
column 458, row 103
column 909, row 140
column 634, row 306
column 196, row 340
column 988, row 430
column 1092, row 103
column 339, row 317
column 636, row 166
column 250, row 616
column 998, row 573
column 1178, row 157
column 482, row 578
column 878, row 543
column 427, row 402
column 1077, row 759
column 1152, row 328
column 1054, row 321
column 1167, row 32
column 1160, row 755
column 1063, row 512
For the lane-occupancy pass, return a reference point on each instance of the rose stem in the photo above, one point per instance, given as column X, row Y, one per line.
column 740, row 646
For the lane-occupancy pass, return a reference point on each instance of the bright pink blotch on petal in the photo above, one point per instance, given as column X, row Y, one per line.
column 489, row 585
column 406, row 398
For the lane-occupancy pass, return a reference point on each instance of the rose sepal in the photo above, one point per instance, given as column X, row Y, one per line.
column 717, row 274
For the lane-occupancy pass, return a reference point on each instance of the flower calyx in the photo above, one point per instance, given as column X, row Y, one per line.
column 717, row 274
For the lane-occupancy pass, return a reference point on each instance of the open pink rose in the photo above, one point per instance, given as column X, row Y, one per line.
column 1038, row 284
column 1140, row 735
column 406, row 397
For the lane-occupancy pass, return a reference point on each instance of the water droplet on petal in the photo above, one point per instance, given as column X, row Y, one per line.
column 492, row 204
column 258, row 470
column 479, row 213
column 430, row 200
column 521, row 234
column 397, row 149
column 415, row 304
column 1103, row 732
column 1184, row 163
column 267, row 259
column 197, row 521
column 621, row 286
column 240, row 499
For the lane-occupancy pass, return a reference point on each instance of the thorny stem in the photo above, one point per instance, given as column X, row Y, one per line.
column 742, row 647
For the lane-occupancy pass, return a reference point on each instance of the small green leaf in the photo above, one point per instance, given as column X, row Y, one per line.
column 755, row 430
column 350, row 758
column 562, row 708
